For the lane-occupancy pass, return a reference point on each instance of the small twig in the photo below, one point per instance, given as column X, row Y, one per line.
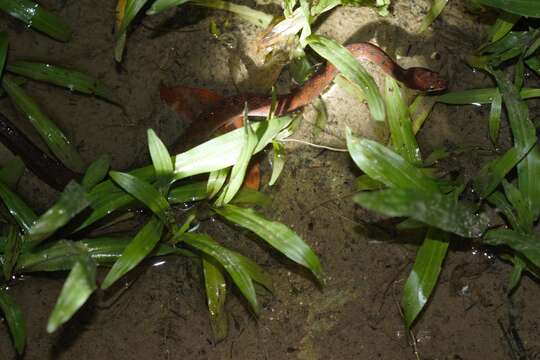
column 315, row 145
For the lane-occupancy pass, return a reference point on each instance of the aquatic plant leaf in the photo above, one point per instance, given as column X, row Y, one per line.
column 249, row 197
column 528, row 175
column 351, row 88
column 365, row 183
column 15, row 320
column 520, row 205
column 502, row 26
column 420, row 109
column 216, row 179
column 255, row 272
column 435, row 209
column 79, row 285
column 495, row 118
column 216, row 293
column 238, row 273
column 278, row 161
column 399, row 122
column 517, row 272
column 239, row 169
column 188, row 193
column 352, row 70
column 96, row 172
column 387, row 167
column 71, row 202
column 23, row 215
column 131, row 10
column 424, row 274
column 120, row 38
column 434, row 11
column 162, row 5
column 276, row 234
column 55, row 139
column 161, row 160
column 141, row 245
column 3, row 50
column 12, row 250
column 503, row 206
column 70, row 79
column 481, row 96
column 525, row 244
column 533, row 63
column 300, row 69
column 145, row 193
column 520, row 7
column 11, row 172
column 35, row 16
column 104, row 204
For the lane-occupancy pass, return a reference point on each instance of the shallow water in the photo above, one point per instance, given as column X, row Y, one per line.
column 158, row 312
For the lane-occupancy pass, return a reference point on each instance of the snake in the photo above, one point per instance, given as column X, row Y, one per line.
column 228, row 110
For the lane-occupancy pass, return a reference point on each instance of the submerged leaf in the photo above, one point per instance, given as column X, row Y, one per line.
column 23, row 215
column 520, row 7
column 278, row 161
column 434, row 11
column 15, row 320
column 216, row 293
column 96, row 172
column 526, row 245
column 424, row 274
column 11, row 172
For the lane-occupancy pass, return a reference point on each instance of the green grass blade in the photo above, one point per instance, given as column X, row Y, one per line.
column 520, row 7
column 3, row 50
column 35, row 16
column 424, row 274
column 504, row 23
column 106, row 206
column 145, row 193
column 387, row 167
column 239, row 169
column 420, row 110
column 249, row 197
column 239, row 275
column 79, row 285
column 255, row 17
column 528, row 175
column 161, row 158
column 132, row 9
column 255, row 272
column 278, row 161
column 520, row 205
column 526, row 245
column 96, row 172
column 399, row 122
column 71, row 202
column 12, row 250
column 55, row 139
column 15, row 320
column 216, row 293
column 162, row 5
column 495, row 118
column 352, row 70
column 23, row 215
column 481, row 96
column 141, row 245
column 216, row 179
column 188, row 193
column 435, row 209
column 11, row 172
column 434, row 11
column 276, row 234
column 70, row 79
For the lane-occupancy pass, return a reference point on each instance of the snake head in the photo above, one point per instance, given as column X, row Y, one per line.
column 425, row 80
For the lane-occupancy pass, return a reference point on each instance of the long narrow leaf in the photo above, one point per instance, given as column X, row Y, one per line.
column 495, row 118
column 160, row 158
column 141, row 245
column 12, row 250
column 35, row 16
column 424, row 274
column 504, row 23
column 96, row 172
column 216, row 293
column 15, row 320
column 55, row 139
column 23, row 214
column 278, row 161
column 520, row 7
column 527, row 245
column 11, row 172
column 434, row 11
column 216, row 180
column 276, row 234
column 3, row 50
column 351, row 69
column 132, row 9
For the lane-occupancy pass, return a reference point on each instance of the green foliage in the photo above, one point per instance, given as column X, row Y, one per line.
column 530, row 8
column 15, row 320
column 434, row 11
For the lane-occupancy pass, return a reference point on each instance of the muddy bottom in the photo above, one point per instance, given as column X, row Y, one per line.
column 159, row 311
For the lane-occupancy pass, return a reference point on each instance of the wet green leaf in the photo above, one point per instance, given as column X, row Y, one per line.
column 387, row 167
column 132, row 9
column 276, row 234
column 145, row 193
column 70, row 79
column 3, row 50
column 534, row 64
column 520, row 205
column 504, row 23
column 161, row 159
column 79, row 285
column 188, row 193
column 250, row 197
column 278, row 161
column 420, row 110
column 495, row 118
column 216, row 180
column 528, row 175
column 23, row 215
column 435, row 10
column 517, row 272
column 240, row 276
column 526, row 245
column 71, row 202
column 365, row 183
column 399, row 122
column 35, row 16
column 55, row 139
column 520, row 7
column 12, row 250
column 255, row 272
column 216, row 293
column 352, row 70
column 321, row 118
column 96, row 172
column 435, row 209
column 499, row 200
column 481, row 96
column 141, row 245
column 424, row 274
column 15, row 320
column 11, row 172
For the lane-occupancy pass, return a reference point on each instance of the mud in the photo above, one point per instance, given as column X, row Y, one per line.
column 159, row 311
